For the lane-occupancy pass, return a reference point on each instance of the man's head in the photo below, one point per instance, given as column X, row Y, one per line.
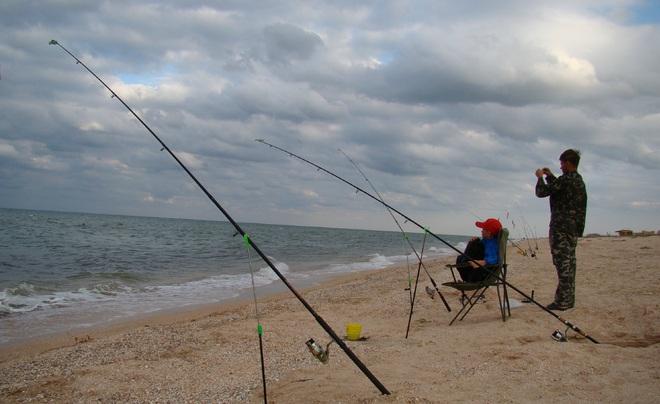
column 490, row 227
column 569, row 159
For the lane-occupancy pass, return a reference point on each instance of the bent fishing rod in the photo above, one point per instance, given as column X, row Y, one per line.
column 246, row 237
column 358, row 189
column 405, row 236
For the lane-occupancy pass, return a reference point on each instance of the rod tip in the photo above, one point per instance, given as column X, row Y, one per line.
column 53, row 42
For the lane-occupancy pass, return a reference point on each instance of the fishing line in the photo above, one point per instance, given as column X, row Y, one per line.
column 238, row 228
column 522, row 252
column 408, row 219
column 405, row 237
column 534, row 235
column 260, row 330
column 527, row 227
column 527, row 238
column 513, row 242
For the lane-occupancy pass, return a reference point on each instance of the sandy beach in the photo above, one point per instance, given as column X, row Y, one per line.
column 211, row 354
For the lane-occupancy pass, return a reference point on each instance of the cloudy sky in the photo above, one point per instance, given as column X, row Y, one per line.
column 448, row 107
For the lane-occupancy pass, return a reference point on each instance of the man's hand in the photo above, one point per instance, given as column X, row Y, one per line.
column 540, row 172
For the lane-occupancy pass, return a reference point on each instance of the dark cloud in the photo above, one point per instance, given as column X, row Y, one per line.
column 286, row 42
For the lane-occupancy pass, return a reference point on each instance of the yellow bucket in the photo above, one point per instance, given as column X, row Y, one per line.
column 353, row 331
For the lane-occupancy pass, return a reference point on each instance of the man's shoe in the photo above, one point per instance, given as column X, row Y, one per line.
column 555, row 306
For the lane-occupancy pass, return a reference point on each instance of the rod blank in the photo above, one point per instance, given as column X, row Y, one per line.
column 238, row 228
column 408, row 219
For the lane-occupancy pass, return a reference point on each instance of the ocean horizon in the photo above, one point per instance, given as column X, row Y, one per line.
column 66, row 271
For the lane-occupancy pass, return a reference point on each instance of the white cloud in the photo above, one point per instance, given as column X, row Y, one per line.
column 105, row 163
column 150, row 199
column 190, row 160
column 566, row 69
column 8, row 150
column 645, row 204
column 310, row 194
column 91, row 126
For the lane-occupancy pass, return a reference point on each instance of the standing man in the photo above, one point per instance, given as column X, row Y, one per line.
column 568, row 209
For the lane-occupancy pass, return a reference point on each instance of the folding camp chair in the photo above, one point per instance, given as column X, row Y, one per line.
column 496, row 277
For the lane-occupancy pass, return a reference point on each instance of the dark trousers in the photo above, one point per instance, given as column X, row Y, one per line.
column 562, row 247
column 475, row 250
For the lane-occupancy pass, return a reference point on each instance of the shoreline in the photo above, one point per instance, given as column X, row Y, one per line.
column 192, row 312
column 213, row 356
column 65, row 272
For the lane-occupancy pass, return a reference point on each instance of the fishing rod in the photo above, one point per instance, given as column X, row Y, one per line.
column 247, row 239
column 509, row 220
column 260, row 330
column 522, row 252
column 405, row 236
column 529, row 243
column 357, row 188
column 536, row 237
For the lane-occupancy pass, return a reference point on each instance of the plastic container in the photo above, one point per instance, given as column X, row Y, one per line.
column 353, row 331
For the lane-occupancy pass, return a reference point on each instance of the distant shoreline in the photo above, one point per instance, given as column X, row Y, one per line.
column 220, row 220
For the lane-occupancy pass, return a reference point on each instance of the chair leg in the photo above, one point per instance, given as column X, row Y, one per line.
column 506, row 293
column 472, row 300
column 453, row 275
column 458, row 314
column 466, row 306
column 501, row 302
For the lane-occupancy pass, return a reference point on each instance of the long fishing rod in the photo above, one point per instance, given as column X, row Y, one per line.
column 247, row 239
column 357, row 188
column 260, row 330
column 405, row 236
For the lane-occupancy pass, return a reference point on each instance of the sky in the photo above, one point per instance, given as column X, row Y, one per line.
column 447, row 107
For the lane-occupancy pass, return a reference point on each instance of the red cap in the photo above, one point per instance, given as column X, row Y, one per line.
column 492, row 225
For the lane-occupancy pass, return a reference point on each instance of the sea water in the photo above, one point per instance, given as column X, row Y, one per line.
column 62, row 272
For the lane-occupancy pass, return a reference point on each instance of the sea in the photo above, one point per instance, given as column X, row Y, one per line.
column 65, row 272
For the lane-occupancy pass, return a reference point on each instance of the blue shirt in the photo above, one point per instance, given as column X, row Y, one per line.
column 491, row 250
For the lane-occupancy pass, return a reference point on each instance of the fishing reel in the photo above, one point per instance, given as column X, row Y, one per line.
column 560, row 336
column 320, row 353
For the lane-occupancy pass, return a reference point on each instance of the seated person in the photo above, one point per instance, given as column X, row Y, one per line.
column 484, row 251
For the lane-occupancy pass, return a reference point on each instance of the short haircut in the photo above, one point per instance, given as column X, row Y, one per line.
column 572, row 156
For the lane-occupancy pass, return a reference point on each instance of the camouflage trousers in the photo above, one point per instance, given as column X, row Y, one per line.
column 562, row 247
